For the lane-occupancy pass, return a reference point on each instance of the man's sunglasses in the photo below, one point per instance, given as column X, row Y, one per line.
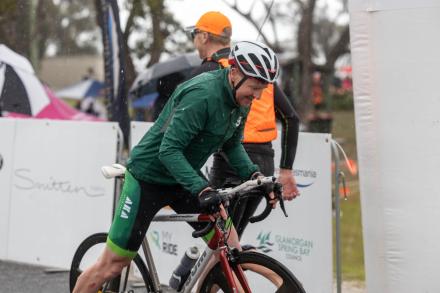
column 194, row 32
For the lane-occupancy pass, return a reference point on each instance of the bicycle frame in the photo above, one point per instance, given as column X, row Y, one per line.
column 214, row 246
column 217, row 243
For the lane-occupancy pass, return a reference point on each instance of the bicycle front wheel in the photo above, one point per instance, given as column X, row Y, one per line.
column 263, row 274
column 135, row 278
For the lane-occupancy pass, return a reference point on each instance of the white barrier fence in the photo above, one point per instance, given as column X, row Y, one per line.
column 52, row 192
column 53, row 196
column 302, row 242
column 7, row 131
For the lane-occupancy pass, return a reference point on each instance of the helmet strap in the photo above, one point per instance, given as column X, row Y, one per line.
column 238, row 85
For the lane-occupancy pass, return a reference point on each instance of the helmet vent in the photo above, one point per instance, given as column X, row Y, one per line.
column 258, row 65
column 245, row 65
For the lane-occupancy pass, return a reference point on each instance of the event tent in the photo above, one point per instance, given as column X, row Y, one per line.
column 22, row 94
column 81, row 90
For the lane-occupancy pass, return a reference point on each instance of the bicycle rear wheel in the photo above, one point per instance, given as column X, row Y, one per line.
column 263, row 274
column 135, row 277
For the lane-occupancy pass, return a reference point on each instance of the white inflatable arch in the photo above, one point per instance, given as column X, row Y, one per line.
column 395, row 48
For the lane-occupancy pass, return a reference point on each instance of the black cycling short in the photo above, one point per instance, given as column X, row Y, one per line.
column 138, row 204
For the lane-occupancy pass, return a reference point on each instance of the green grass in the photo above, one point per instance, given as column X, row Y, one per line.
column 343, row 130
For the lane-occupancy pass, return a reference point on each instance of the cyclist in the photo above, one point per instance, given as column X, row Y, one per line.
column 203, row 114
column 212, row 37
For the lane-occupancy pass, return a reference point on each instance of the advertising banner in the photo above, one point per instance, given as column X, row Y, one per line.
column 58, row 195
column 7, row 131
column 302, row 241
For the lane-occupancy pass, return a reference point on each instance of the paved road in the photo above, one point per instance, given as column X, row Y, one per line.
column 19, row 278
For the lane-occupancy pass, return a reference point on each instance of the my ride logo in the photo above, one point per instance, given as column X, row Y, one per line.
column 163, row 240
column 291, row 247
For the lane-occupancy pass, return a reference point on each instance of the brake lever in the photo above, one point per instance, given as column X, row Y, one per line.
column 278, row 191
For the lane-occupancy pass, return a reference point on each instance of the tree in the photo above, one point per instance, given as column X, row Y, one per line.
column 148, row 32
column 29, row 27
column 76, row 31
column 71, row 28
column 14, row 25
column 333, row 40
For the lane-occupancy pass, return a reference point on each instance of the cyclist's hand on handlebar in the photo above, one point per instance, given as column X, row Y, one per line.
column 290, row 190
column 223, row 213
column 273, row 200
column 256, row 175
column 211, row 203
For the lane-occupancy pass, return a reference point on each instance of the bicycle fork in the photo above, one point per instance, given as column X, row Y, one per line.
column 229, row 275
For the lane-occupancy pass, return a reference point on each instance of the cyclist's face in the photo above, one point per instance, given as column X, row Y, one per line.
column 249, row 90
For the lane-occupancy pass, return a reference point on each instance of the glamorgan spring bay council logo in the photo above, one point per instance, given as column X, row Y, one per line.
column 264, row 243
column 291, row 247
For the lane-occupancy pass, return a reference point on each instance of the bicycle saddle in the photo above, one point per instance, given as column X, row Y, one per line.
column 115, row 170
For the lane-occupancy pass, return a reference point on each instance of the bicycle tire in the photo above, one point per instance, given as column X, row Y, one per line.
column 100, row 239
column 215, row 280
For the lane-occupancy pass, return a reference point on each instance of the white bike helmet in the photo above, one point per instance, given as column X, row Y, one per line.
column 255, row 60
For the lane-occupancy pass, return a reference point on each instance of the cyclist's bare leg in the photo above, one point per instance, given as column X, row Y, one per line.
column 108, row 266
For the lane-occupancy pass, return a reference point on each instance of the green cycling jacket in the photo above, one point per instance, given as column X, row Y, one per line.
column 200, row 118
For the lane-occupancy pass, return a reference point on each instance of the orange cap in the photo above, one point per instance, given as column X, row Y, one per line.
column 215, row 23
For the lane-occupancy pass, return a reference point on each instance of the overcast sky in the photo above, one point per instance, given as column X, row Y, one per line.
column 189, row 11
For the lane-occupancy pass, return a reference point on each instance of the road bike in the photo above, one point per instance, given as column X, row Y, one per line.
column 236, row 271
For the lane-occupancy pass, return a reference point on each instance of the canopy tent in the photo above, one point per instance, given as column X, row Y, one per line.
column 82, row 89
column 146, row 101
column 23, row 95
